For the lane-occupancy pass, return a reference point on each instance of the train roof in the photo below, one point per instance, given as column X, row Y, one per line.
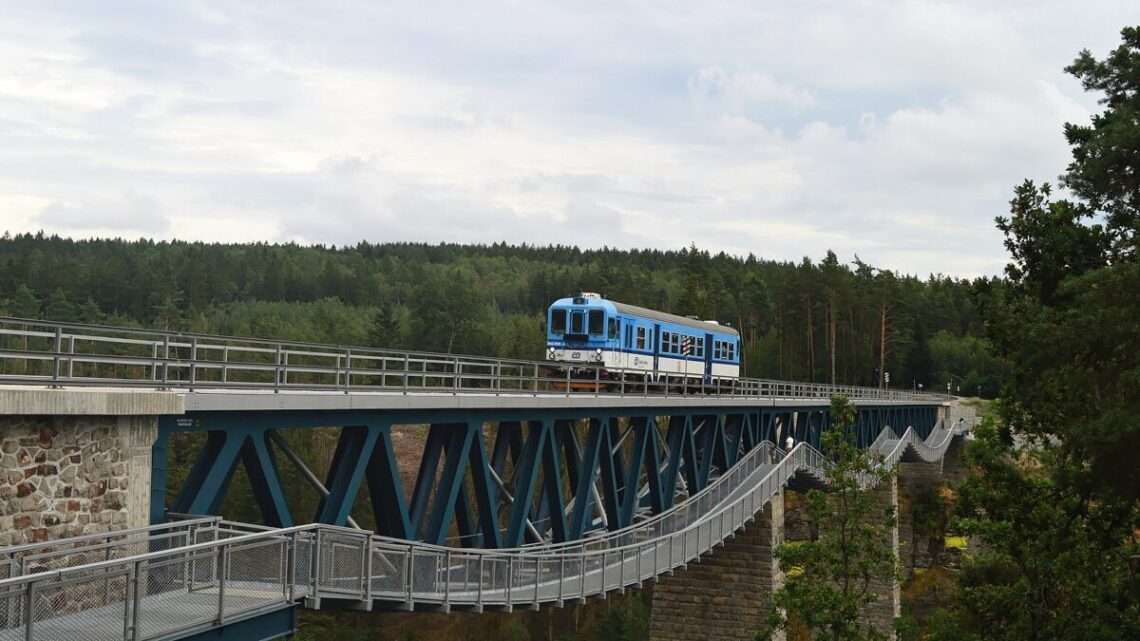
column 644, row 312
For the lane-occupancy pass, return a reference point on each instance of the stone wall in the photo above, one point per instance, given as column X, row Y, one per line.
column 915, row 480
column 68, row 475
column 888, row 604
column 726, row 595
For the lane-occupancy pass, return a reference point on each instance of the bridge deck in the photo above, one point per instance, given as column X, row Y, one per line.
column 220, row 373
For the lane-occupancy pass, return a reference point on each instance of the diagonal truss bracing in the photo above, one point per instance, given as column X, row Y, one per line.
column 492, row 481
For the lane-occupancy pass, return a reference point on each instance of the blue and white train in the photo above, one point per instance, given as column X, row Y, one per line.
column 590, row 331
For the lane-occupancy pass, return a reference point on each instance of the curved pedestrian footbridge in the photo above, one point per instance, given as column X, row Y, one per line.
column 205, row 575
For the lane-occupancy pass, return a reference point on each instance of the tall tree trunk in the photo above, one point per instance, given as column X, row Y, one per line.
column 779, row 341
column 882, row 342
column 811, row 343
column 831, row 338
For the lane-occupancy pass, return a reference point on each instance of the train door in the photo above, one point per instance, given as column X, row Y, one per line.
column 627, row 348
column 708, row 357
column 654, row 338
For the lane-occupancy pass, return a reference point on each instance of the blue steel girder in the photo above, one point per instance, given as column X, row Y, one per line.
column 210, row 477
column 546, row 459
column 644, row 447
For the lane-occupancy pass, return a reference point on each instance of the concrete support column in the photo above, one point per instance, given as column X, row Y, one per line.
column 726, row 596
column 916, row 481
column 137, row 435
column 888, row 604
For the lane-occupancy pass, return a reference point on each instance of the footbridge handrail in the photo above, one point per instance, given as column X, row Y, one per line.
column 71, row 354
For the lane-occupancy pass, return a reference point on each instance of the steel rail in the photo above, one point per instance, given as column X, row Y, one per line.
column 71, row 354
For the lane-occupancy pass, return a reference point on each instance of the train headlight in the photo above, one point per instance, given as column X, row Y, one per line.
column 550, row 353
column 598, row 355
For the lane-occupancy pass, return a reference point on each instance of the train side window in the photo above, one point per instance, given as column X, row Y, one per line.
column 628, row 336
column 665, row 342
column 699, row 346
column 731, row 351
column 558, row 321
column 640, row 338
column 613, row 329
column 675, row 344
column 597, row 322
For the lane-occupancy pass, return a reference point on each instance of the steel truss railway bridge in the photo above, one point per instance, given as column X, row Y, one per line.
column 531, row 488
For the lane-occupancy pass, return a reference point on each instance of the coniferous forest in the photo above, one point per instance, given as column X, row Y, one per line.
column 832, row 320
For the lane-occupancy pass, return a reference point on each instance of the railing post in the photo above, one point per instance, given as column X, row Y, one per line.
column 29, row 611
column 165, row 360
column 561, row 575
column 479, row 589
column 457, row 372
column 193, row 361
column 510, row 576
column 639, row 551
column 55, row 357
column 368, row 569
column 582, row 574
column 277, row 370
column 621, row 570
column 315, row 568
column 136, row 601
column 537, row 573
column 407, row 372
column 71, row 359
column 348, row 371
column 291, row 567
column 410, row 573
column 603, row 581
column 223, row 569
column 447, row 579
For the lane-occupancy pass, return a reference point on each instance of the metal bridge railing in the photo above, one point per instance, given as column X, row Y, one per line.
column 240, row 571
column 58, row 354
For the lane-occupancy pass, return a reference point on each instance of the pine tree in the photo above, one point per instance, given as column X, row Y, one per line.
column 834, row 572
column 25, row 304
column 385, row 330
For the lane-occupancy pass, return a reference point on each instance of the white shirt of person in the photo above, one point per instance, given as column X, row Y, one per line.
column 789, row 443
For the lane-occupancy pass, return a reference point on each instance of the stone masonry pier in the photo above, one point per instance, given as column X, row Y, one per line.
column 724, row 596
column 76, row 462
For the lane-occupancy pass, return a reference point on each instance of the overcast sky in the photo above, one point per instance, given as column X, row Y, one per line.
column 892, row 130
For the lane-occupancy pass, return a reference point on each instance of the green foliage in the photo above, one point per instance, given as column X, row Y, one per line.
column 25, row 303
column 492, row 299
column 848, row 556
column 1055, row 499
column 1053, row 564
column 1105, row 150
column 968, row 363
column 628, row 621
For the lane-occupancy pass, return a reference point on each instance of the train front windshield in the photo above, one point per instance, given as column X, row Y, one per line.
column 558, row 322
column 579, row 323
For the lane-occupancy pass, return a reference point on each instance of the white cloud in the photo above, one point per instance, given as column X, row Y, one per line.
column 893, row 130
column 126, row 214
